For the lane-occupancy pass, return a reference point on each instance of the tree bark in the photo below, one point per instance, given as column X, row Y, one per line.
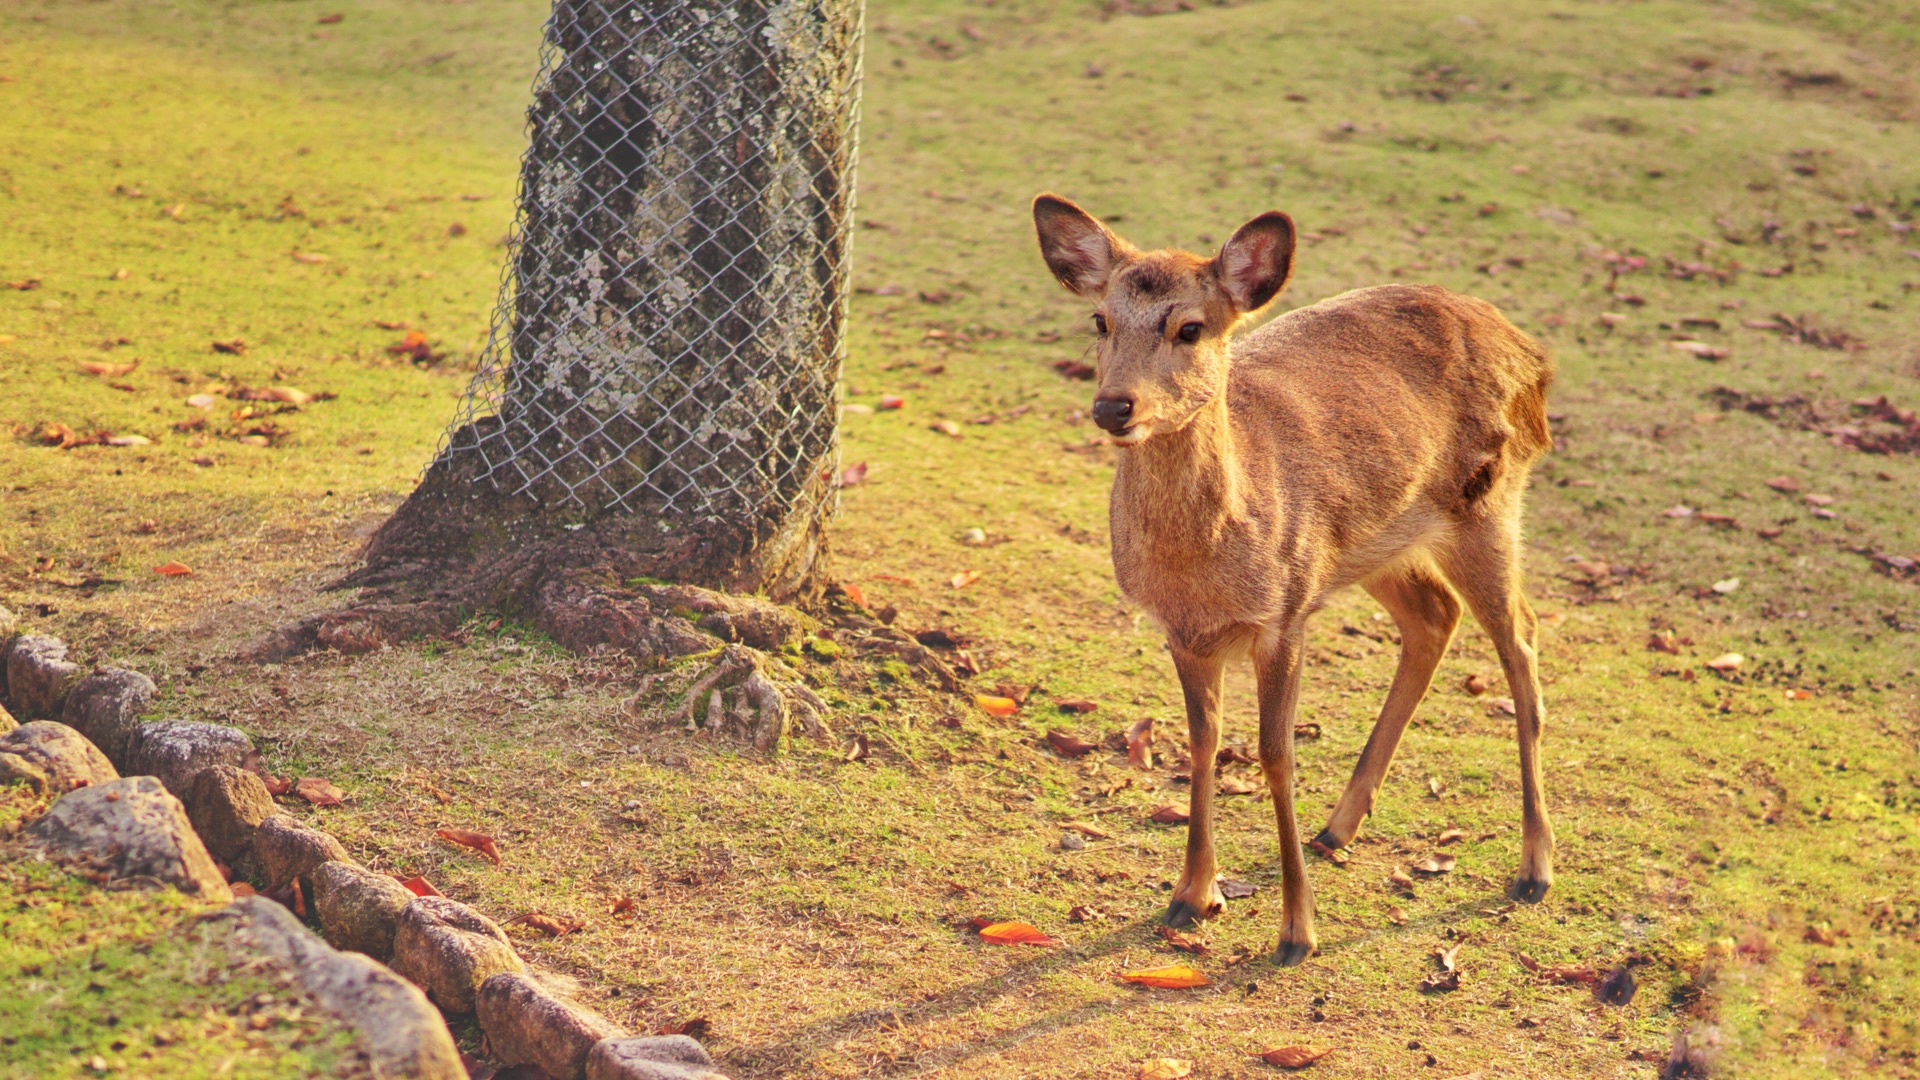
column 660, row 397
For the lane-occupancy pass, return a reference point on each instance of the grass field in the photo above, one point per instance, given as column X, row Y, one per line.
column 1615, row 176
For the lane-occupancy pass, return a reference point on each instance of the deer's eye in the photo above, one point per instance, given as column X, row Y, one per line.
column 1100, row 325
column 1190, row 332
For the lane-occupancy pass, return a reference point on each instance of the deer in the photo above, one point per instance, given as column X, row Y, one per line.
column 1380, row 438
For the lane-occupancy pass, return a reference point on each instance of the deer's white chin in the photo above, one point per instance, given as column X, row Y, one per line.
column 1132, row 436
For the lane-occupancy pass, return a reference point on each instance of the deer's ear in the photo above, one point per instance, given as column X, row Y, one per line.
column 1078, row 249
column 1255, row 262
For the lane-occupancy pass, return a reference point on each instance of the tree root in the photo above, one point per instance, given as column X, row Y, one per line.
column 767, row 699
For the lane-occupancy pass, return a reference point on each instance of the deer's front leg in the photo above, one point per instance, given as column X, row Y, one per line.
column 1278, row 673
column 1198, row 895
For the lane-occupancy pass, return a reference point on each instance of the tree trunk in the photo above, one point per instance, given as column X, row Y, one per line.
column 659, row 398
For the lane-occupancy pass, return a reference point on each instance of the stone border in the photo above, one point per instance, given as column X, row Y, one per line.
column 209, row 803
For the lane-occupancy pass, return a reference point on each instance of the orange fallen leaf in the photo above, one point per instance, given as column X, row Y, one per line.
column 996, row 706
column 1014, row 933
column 319, row 792
column 1070, row 745
column 1171, row 977
column 1293, row 1057
column 1165, row 1069
column 1233, row 785
column 284, row 394
column 1140, row 744
column 1184, row 942
column 855, row 593
column 1451, row 836
column 1169, row 814
column 1797, row 694
column 173, row 569
column 621, row 906
column 277, row 785
column 467, row 838
column 420, row 886
column 1078, row 705
column 1094, row 832
column 111, row 371
column 892, row 401
column 555, row 927
column 964, row 578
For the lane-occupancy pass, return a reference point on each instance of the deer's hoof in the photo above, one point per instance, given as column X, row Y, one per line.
column 1180, row 913
column 1328, row 840
column 1291, row 953
column 1529, row 890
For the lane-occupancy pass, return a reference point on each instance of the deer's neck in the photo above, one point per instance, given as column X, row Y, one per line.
column 1184, row 486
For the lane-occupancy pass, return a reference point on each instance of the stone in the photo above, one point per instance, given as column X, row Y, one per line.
column 38, row 675
column 226, row 804
column 52, row 759
column 176, row 750
column 130, row 828
column 358, row 908
column 106, row 706
column 286, row 850
column 650, row 1057
column 448, row 949
column 527, row 1024
column 392, row 1022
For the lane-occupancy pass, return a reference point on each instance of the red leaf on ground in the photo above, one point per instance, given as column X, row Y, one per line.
column 1014, row 933
column 1183, row 942
column 549, row 924
column 1169, row 814
column 319, row 792
column 420, row 886
column 1140, row 744
column 277, row 785
column 620, row 906
column 1070, row 745
column 1078, row 705
column 1292, row 1057
column 853, row 474
column 697, row 1027
column 467, row 838
column 173, row 569
column 892, row 401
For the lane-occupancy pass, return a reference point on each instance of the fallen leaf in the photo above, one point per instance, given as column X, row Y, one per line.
column 855, row 593
column 1165, row 1069
column 1397, row 916
column 111, row 371
column 1435, row 786
column 241, row 888
column 1308, row 730
column 996, row 706
column 1077, row 705
column 1014, row 933
column 283, row 394
column 1081, row 913
column 1702, row 350
column 1140, row 744
column 1784, row 484
column 1017, row 691
column 1070, row 745
column 1474, row 684
column 1819, row 935
column 1502, row 705
column 946, row 427
column 1182, row 941
column 277, row 785
column 1233, row 785
column 173, row 569
column 853, row 474
column 964, row 578
column 1171, row 977
column 1169, row 814
column 1559, row 973
column 1328, row 852
column 695, row 1028
column 892, row 401
column 1435, row 864
column 1451, row 836
column 1797, row 694
column 1727, row 662
column 1440, row 982
column 1093, row 832
column 857, row 748
column 1726, row 586
column 1663, row 643
column 56, row 434
column 309, row 257
column 128, row 440
column 1292, row 1057
column 319, row 792
column 236, row 347
column 420, row 886
column 467, row 838
column 1681, row 511
column 554, row 927
column 621, row 906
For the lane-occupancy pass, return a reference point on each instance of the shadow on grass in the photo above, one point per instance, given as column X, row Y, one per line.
column 802, row 1045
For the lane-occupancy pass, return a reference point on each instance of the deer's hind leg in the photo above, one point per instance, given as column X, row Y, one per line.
column 1424, row 609
column 1277, row 669
column 1198, row 895
column 1483, row 563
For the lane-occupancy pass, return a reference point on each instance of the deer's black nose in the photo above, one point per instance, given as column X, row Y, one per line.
column 1113, row 414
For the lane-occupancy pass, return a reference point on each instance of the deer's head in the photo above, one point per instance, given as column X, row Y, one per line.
column 1162, row 318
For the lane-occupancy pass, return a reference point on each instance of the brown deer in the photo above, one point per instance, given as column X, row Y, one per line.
column 1380, row 438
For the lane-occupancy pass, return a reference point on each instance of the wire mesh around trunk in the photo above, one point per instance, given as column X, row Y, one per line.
column 669, row 332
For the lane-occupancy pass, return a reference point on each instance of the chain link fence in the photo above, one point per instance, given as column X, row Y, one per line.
column 669, row 332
